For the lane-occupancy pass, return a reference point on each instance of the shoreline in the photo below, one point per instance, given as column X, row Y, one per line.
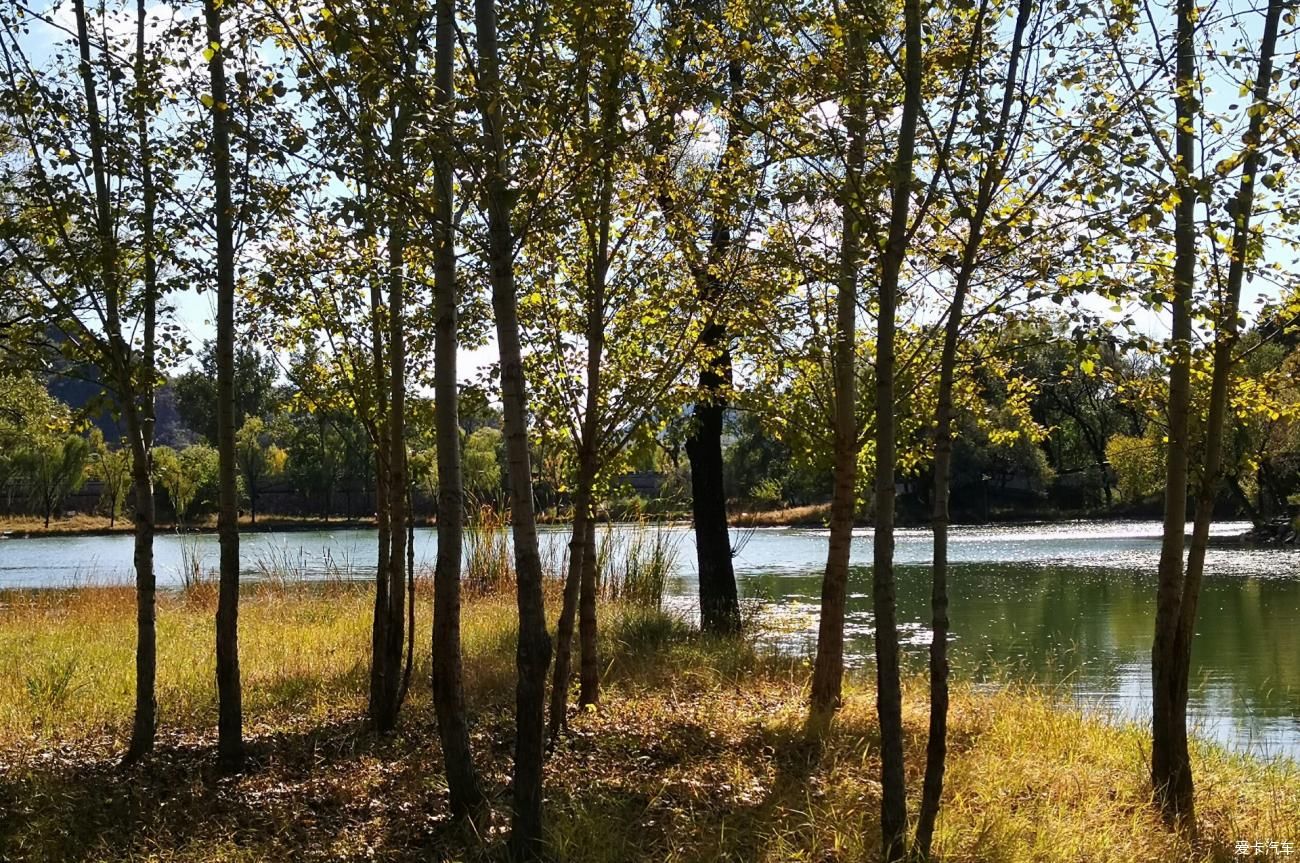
column 796, row 517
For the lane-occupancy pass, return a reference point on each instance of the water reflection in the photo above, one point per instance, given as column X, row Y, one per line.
column 1088, row 630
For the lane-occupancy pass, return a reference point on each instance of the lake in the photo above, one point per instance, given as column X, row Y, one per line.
column 1067, row 605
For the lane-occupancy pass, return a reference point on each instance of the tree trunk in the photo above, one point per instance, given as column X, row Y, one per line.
column 589, row 688
column 534, row 650
column 991, row 175
column 569, row 609
column 230, row 744
column 936, row 752
column 466, row 792
column 1171, row 777
column 719, row 599
column 589, row 447
column 889, row 697
column 394, row 630
column 1244, row 501
column 383, row 524
column 1174, row 782
column 144, row 726
column 135, row 397
column 828, row 667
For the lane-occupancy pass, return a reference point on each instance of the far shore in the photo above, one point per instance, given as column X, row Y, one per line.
column 810, row 516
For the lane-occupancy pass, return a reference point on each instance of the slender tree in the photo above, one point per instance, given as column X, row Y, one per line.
column 828, row 667
column 86, row 291
column 140, row 421
column 1170, row 770
column 396, row 485
column 1179, row 591
column 533, row 655
column 230, row 736
column 467, row 796
column 993, row 170
column 889, row 696
column 600, row 135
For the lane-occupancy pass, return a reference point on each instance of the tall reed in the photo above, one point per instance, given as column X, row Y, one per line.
column 489, row 562
column 635, row 566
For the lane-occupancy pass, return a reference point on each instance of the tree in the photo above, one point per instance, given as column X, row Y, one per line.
column 481, row 464
column 28, row 414
column 92, row 260
column 467, row 797
column 112, row 467
column 606, row 358
column 53, row 466
column 982, row 219
column 1138, row 465
column 1179, row 589
column 533, row 656
column 255, row 394
column 357, row 73
column 258, row 458
column 703, row 199
column 828, row 668
column 185, row 475
column 230, row 736
column 391, row 631
column 893, row 801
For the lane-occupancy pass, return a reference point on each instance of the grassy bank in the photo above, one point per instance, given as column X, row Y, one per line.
column 85, row 524
column 697, row 752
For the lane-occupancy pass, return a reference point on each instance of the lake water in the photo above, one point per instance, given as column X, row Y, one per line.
column 1069, row 605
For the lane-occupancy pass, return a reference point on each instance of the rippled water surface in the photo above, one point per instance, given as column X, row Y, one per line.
column 1066, row 604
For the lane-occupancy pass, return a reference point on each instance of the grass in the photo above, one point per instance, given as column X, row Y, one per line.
column 813, row 515
column 697, row 752
column 82, row 523
column 635, row 566
column 87, row 524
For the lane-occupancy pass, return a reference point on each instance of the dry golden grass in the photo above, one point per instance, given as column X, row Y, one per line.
column 88, row 523
column 81, row 523
column 813, row 515
column 697, row 753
